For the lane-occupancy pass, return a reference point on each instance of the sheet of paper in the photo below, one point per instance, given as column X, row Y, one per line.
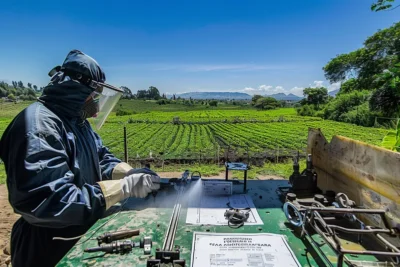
column 241, row 250
column 210, row 210
column 217, row 188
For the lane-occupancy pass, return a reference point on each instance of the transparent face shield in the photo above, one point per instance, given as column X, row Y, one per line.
column 106, row 97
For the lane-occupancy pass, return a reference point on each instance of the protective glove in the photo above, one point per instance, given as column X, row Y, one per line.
column 124, row 169
column 137, row 185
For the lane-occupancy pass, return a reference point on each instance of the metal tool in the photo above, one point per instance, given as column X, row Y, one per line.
column 306, row 213
column 123, row 247
column 113, row 236
column 167, row 254
column 303, row 184
column 236, row 218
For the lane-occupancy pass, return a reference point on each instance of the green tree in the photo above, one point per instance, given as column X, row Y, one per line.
column 162, row 101
column 345, row 103
column 316, row 96
column 35, row 88
column 213, row 103
column 153, row 93
column 383, row 5
column 254, row 99
column 381, row 51
column 20, row 84
column 29, row 85
column 127, row 92
column 348, row 86
column 12, row 91
column 3, row 92
column 282, row 103
column 4, row 85
column 141, row 94
column 11, row 96
column 266, row 103
column 30, row 92
column 306, row 110
column 386, row 98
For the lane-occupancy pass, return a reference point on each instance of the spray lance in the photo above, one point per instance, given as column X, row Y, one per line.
column 123, row 247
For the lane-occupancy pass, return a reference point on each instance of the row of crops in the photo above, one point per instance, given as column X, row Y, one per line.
column 171, row 141
column 286, row 114
column 208, row 133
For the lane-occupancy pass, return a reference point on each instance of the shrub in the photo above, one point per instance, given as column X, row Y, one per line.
column 124, row 112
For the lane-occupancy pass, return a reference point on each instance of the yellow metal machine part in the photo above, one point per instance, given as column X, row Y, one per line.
column 368, row 174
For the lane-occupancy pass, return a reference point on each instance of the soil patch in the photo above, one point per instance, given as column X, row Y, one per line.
column 8, row 217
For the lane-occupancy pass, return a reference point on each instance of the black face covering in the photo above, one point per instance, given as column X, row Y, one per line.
column 90, row 108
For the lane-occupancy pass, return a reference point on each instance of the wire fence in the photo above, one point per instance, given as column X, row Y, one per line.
column 217, row 156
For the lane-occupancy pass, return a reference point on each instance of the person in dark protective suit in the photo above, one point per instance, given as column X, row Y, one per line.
column 60, row 177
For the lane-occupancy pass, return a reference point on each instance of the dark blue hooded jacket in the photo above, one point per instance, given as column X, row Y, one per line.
column 53, row 160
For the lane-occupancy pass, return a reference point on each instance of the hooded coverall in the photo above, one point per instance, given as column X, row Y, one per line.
column 53, row 160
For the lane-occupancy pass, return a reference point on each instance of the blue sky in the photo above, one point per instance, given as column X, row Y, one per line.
column 180, row 46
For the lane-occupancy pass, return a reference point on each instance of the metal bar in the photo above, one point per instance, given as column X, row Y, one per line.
column 170, row 242
column 316, row 245
column 359, row 231
column 385, row 242
column 371, row 252
column 311, row 216
column 125, row 146
column 173, row 223
column 166, row 240
column 170, row 248
column 341, row 210
column 336, row 246
column 226, row 173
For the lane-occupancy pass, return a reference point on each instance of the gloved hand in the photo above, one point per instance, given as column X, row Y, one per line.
column 139, row 185
column 134, row 185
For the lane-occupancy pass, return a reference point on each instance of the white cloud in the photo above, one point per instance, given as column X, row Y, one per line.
column 297, row 91
column 269, row 90
column 318, row 83
column 334, row 86
column 262, row 89
column 265, row 87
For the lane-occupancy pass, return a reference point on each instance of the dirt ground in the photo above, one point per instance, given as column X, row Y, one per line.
column 220, row 176
column 8, row 217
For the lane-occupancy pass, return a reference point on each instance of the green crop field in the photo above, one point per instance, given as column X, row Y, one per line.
column 198, row 131
column 176, row 131
column 200, row 138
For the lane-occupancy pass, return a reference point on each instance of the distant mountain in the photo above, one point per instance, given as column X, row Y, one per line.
column 215, row 95
column 233, row 95
column 334, row 92
column 282, row 96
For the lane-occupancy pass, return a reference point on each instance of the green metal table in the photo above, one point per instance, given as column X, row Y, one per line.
column 152, row 216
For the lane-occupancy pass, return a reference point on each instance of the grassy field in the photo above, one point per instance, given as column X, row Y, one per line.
column 199, row 134
column 142, row 106
column 176, row 131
